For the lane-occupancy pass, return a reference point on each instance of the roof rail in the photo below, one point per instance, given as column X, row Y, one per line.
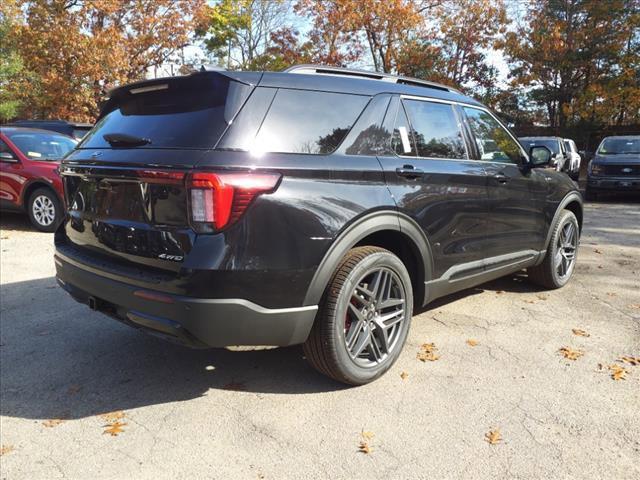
column 385, row 77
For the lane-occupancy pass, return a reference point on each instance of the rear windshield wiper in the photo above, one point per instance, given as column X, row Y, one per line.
column 124, row 140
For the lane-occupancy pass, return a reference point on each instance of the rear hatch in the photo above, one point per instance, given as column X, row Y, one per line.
column 125, row 183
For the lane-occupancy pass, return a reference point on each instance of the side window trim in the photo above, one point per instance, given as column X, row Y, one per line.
column 459, row 122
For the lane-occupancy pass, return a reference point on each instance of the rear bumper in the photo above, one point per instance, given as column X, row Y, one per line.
column 613, row 183
column 195, row 322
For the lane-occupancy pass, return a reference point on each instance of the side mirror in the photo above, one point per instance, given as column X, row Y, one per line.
column 8, row 157
column 540, row 156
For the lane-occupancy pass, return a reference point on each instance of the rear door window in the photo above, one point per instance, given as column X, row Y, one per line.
column 435, row 129
column 302, row 121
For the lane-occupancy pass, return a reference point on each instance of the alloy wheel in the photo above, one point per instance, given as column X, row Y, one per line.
column 566, row 247
column 44, row 211
column 375, row 317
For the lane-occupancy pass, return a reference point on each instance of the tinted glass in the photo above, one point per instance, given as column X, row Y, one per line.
column 4, row 148
column 190, row 112
column 616, row 146
column 435, row 129
column 369, row 136
column 42, row 146
column 301, row 121
column 493, row 141
column 402, row 141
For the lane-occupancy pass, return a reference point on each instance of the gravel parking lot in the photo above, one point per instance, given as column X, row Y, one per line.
column 68, row 375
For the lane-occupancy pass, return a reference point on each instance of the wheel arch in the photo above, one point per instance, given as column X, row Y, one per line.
column 572, row 202
column 391, row 230
column 32, row 186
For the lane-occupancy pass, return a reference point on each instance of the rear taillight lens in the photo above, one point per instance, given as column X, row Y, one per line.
column 217, row 200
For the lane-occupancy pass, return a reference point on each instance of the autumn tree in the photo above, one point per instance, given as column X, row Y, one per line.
column 75, row 50
column 578, row 59
column 238, row 32
column 10, row 60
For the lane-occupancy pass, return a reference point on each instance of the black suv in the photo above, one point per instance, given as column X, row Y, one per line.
column 316, row 206
column 615, row 166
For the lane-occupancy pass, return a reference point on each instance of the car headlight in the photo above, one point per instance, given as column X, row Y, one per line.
column 596, row 169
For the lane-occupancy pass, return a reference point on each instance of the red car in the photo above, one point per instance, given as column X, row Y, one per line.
column 29, row 180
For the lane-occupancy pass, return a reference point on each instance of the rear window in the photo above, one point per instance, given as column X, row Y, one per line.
column 186, row 112
column 301, row 121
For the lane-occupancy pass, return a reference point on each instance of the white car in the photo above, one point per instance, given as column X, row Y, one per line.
column 573, row 157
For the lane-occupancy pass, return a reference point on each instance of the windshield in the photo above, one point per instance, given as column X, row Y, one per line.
column 552, row 145
column 42, row 146
column 616, row 146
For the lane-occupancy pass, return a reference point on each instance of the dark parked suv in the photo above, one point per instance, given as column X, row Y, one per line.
column 316, row 206
column 615, row 167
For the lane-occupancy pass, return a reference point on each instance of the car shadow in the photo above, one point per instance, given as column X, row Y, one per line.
column 58, row 359
column 15, row 221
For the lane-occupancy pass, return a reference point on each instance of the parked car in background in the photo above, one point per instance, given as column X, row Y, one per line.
column 559, row 155
column 574, row 158
column 317, row 206
column 615, row 166
column 71, row 129
column 29, row 176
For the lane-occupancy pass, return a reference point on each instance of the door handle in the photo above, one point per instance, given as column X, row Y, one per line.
column 501, row 178
column 409, row 171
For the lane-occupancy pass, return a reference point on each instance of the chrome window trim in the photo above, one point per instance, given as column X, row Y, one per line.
column 477, row 107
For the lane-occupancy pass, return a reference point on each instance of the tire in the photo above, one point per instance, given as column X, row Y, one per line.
column 562, row 253
column 350, row 314
column 44, row 210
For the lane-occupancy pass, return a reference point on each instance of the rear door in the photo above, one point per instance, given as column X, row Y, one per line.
column 435, row 182
column 517, row 225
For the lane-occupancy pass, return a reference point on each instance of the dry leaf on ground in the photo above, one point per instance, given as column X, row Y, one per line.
column 111, row 417
column 493, row 436
column 428, row 352
column 612, row 294
column 634, row 305
column 570, row 354
column 597, row 251
column 529, row 301
column 404, row 375
column 364, row 446
column 4, row 449
column 472, row 343
column 630, row 360
column 618, row 372
column 236, row 386
column 542, row 296
column 114, row 429
column 499, row 292
column 580, row 333
column 54, row 422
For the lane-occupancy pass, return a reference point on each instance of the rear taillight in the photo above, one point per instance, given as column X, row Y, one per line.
column 218, row 199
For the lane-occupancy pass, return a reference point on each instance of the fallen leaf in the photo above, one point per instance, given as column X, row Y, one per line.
column 364, row 447
column 235, row 386
column 612, row 294
column 404, row 375
column 580, row 333
column 635, row 305
column 529, row 301
column 112, row 417
column 4, row 449
column 472, row 343
column 428, row 352
column 618, row 372
column 630, row 360
column 542, row 296
column 114, row 429
column 54, row 422
column 570, row 354
column 597, row 251
column 499, row 292
column 367, row 435
column 493, row 436
column 600, row 266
